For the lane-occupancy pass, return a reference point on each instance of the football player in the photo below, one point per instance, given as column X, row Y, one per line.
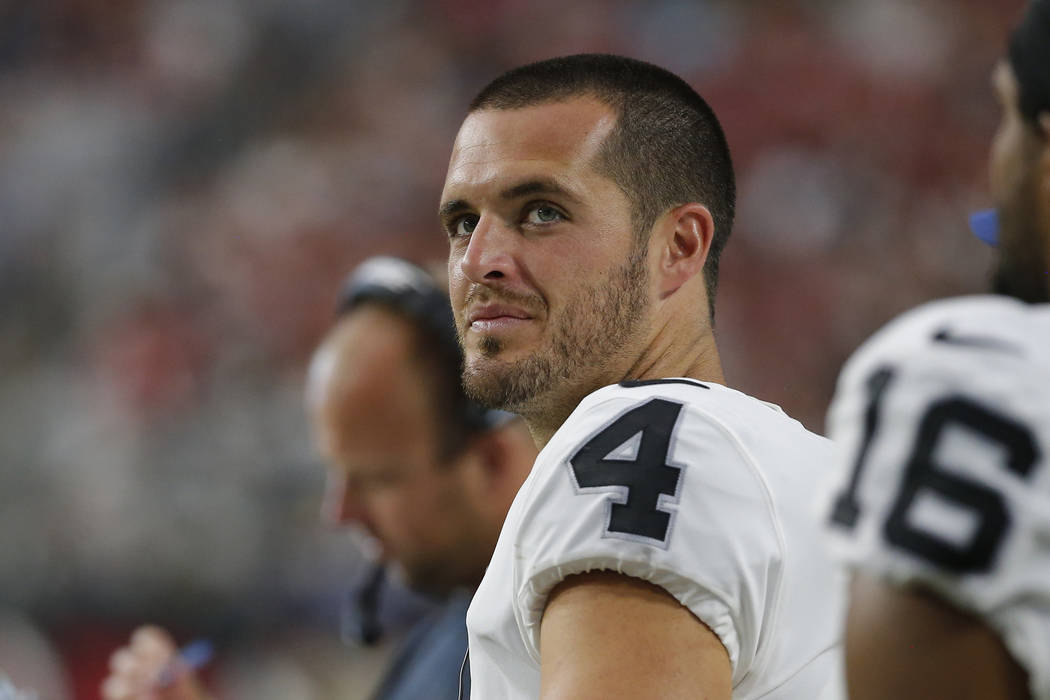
column 662, row 545
column 943, row 508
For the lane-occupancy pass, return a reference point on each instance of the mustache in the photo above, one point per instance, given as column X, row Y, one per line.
column 480, row 294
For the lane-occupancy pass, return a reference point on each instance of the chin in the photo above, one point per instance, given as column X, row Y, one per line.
column 510, row 385
column 489, row 347
column 484, row 380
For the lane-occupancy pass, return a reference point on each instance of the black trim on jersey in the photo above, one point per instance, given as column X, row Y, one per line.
column 632, row 383
column 945, row 335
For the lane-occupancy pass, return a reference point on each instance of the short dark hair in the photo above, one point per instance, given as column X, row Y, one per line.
column 1029, row 56
column 666, row 149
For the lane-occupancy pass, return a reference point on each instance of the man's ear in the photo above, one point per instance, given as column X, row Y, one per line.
column 489, row 481
column 685, row 240
column 489, row 449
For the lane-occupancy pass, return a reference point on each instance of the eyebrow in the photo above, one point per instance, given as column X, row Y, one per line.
column 524, row 189
column 451, row 207
column 538, row 186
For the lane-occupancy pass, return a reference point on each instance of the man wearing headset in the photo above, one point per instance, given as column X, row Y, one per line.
column 423, row 471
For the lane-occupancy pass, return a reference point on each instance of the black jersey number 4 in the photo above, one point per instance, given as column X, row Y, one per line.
column 643, row 472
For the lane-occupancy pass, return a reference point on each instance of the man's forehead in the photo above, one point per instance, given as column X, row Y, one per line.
column 565, row 129
column 506, row 144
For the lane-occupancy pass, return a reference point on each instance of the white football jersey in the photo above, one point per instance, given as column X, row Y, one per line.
column 692, row 486
column 943, row 422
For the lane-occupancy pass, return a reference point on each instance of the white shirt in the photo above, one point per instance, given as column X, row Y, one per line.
column 718, row 514
column 943, row 418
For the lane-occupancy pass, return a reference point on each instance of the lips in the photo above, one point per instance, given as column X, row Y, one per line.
column 488, row 314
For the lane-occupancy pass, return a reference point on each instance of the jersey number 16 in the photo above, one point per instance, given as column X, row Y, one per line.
column 922, row 473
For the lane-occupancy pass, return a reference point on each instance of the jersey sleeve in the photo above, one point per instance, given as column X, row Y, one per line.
column 945, row 484
column 660, row 490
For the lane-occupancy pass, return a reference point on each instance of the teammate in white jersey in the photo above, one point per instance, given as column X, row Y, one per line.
column 661, row 546
column 942, row 506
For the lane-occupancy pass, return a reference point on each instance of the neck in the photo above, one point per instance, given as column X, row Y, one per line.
column 668, row 354
column 695, row 357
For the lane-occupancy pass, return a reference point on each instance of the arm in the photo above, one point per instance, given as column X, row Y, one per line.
column 905, row 644
column 606, row 635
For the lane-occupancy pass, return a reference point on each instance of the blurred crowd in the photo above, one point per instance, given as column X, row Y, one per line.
column 183, row 184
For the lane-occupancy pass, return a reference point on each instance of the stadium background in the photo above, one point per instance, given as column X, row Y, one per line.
column 183, row 184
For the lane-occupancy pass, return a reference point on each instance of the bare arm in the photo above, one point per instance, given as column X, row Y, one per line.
column 906, row 644
column 606, row 635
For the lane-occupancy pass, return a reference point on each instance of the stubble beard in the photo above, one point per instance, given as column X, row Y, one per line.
column 1022, row 268
column 591, row 332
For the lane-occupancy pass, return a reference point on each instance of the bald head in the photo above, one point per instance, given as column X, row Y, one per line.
column 367, row 365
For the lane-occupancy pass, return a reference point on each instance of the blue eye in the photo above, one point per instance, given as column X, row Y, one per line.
column 543, row 214
column 465, row 225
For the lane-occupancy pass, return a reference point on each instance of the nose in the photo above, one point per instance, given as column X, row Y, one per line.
column 490, row 254
column 341, row 505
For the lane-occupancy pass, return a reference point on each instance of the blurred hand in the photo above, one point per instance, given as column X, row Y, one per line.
column 147, row 669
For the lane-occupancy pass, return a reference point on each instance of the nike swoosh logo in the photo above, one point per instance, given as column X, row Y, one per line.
column 975, row 341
